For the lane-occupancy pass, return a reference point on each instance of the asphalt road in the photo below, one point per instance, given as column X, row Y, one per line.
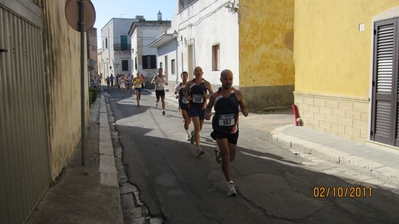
column 273, row 184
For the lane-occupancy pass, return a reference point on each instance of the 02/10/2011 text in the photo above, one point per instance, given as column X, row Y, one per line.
column 342, row 192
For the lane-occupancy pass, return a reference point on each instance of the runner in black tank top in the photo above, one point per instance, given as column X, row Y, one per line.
column 196, row 91
column 183, row 103
column 227, row 102
column 226, row 117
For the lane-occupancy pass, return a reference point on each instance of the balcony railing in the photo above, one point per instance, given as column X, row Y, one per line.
column 122, row 47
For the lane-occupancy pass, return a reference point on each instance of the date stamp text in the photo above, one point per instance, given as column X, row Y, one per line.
column 342, row 192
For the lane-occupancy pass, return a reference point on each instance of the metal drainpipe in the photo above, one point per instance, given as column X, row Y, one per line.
column 177, row 62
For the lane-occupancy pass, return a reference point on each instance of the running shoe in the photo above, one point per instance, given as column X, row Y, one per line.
column 188, row 137
column 163, row 113
column 192, row 137
column 231, row 190
column 200, row 151
column 156, row 105
column 217, row 153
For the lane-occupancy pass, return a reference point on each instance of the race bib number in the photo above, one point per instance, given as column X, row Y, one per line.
column 137, row 85
column 198, row 98
column 184, row 100
column 227, row 120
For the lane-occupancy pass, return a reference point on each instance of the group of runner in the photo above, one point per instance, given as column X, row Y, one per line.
column 128, row 83
column 227, row 102
column 196, row 101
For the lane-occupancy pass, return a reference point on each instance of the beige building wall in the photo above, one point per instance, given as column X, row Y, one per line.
column 62, row 71
column 333, row 64
column 266, row 35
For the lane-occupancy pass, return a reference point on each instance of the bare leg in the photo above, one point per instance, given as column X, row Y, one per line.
column 228, row 154
column 186, row 119
column 163, row 103
column 137, row 97
column 197, row 129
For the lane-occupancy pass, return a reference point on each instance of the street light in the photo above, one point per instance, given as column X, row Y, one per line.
column 175, row 35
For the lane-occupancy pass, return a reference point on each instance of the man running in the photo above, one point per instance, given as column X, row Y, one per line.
column 183, row 103
column 160, row 82
column 227, row 102
column 196, row 93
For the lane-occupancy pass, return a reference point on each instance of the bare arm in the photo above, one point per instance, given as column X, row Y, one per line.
column 209, row 87
column 186, row 89
column 153, row 80
column 208, row 109
column 244, row 109
column 177, row 91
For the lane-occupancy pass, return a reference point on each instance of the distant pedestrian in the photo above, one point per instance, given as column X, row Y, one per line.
column 122, row 84
column 118, row 76
column 108, row 81
column 160, row 82
column 129, row 83
column 138, row 87
column 196, row 92
column 112, row 78
column 227, row 101
column 183, row 103
column 99, row 79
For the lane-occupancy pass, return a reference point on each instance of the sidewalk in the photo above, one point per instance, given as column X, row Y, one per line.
column 88, row 194
column 381, row 163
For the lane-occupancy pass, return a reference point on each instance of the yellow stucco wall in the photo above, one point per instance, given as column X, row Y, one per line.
column 266, row 43
column 332, row 56
column 62, row 70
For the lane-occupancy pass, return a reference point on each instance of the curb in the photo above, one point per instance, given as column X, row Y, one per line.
column 107, row 168
column 374, row 169
column 133, row 210
column 108, row 173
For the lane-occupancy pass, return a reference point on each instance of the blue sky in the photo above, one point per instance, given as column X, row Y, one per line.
column 107, row 9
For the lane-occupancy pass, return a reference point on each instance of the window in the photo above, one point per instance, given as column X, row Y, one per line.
column 215, row 58
column 149, row 61
column 183, row 4
column 135, row 63
column 124, row 45
column 172, row 64
column 125, row 65
column 106, row 43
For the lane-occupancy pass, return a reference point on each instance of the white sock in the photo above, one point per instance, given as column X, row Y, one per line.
column 230, row 182
column 187, row 132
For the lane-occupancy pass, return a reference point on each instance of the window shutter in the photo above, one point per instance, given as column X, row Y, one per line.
column 153, row 61
column 385, row 46
column 384, row 122
column 145, row 66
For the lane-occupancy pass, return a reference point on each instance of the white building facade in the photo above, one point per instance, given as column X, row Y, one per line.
column 116, row 47
column 206, row 35
column 144, row 59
